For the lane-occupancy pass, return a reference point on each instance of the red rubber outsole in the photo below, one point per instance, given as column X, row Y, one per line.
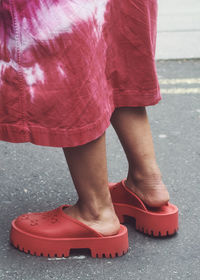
column 159, row 222
column 106, row 246
column 150, row 223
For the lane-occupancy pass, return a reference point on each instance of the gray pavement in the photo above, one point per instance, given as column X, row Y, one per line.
column 36, row 178
column 178, row 29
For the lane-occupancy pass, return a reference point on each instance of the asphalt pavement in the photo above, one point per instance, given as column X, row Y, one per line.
column 36, row 178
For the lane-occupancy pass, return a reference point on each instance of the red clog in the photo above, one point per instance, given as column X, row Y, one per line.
column 54, row 233
column 160, row 221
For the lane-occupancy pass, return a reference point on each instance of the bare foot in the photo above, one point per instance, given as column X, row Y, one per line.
column 151, row 190
column 106, row 223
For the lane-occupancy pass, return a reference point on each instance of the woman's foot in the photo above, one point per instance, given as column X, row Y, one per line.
column 104, row 221
column 144, row 177
column 88, row 168
column 149, row 188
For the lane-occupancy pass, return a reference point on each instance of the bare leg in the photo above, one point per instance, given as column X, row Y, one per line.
column 88, row 168
column 144, row 176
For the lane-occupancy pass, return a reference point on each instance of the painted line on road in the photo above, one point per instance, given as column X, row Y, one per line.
column 179, row 81
column 179, row 90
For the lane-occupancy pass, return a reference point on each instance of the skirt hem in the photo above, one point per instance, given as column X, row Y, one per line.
column 59, row 138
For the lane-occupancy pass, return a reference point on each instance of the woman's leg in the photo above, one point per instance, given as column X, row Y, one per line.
column 88, row 168
column 144, row 176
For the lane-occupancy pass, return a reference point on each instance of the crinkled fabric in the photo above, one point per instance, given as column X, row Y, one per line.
column 65, row 65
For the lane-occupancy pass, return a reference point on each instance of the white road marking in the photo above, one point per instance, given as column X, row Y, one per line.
column 180, row 90
column 179, row 81
column 162, row 136
column 56, row 259
column 70, row 257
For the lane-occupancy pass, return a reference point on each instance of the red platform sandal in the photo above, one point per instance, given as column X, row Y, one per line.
column 160, row 221
column 54, row 233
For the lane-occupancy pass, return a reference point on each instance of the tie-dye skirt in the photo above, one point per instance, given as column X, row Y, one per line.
column 65, row 65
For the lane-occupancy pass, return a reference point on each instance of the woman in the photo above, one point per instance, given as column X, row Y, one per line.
column 68, row 69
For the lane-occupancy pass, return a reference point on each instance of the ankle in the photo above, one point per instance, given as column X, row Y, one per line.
column 105, row 221
column 137, row 175
column 149, row 187
column 96, row 211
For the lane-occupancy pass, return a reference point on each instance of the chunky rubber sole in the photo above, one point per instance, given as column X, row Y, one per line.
column 106, row 246
column 149, row 223
column 162, row 221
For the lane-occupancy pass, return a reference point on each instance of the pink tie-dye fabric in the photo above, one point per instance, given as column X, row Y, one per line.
column 65, row 65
